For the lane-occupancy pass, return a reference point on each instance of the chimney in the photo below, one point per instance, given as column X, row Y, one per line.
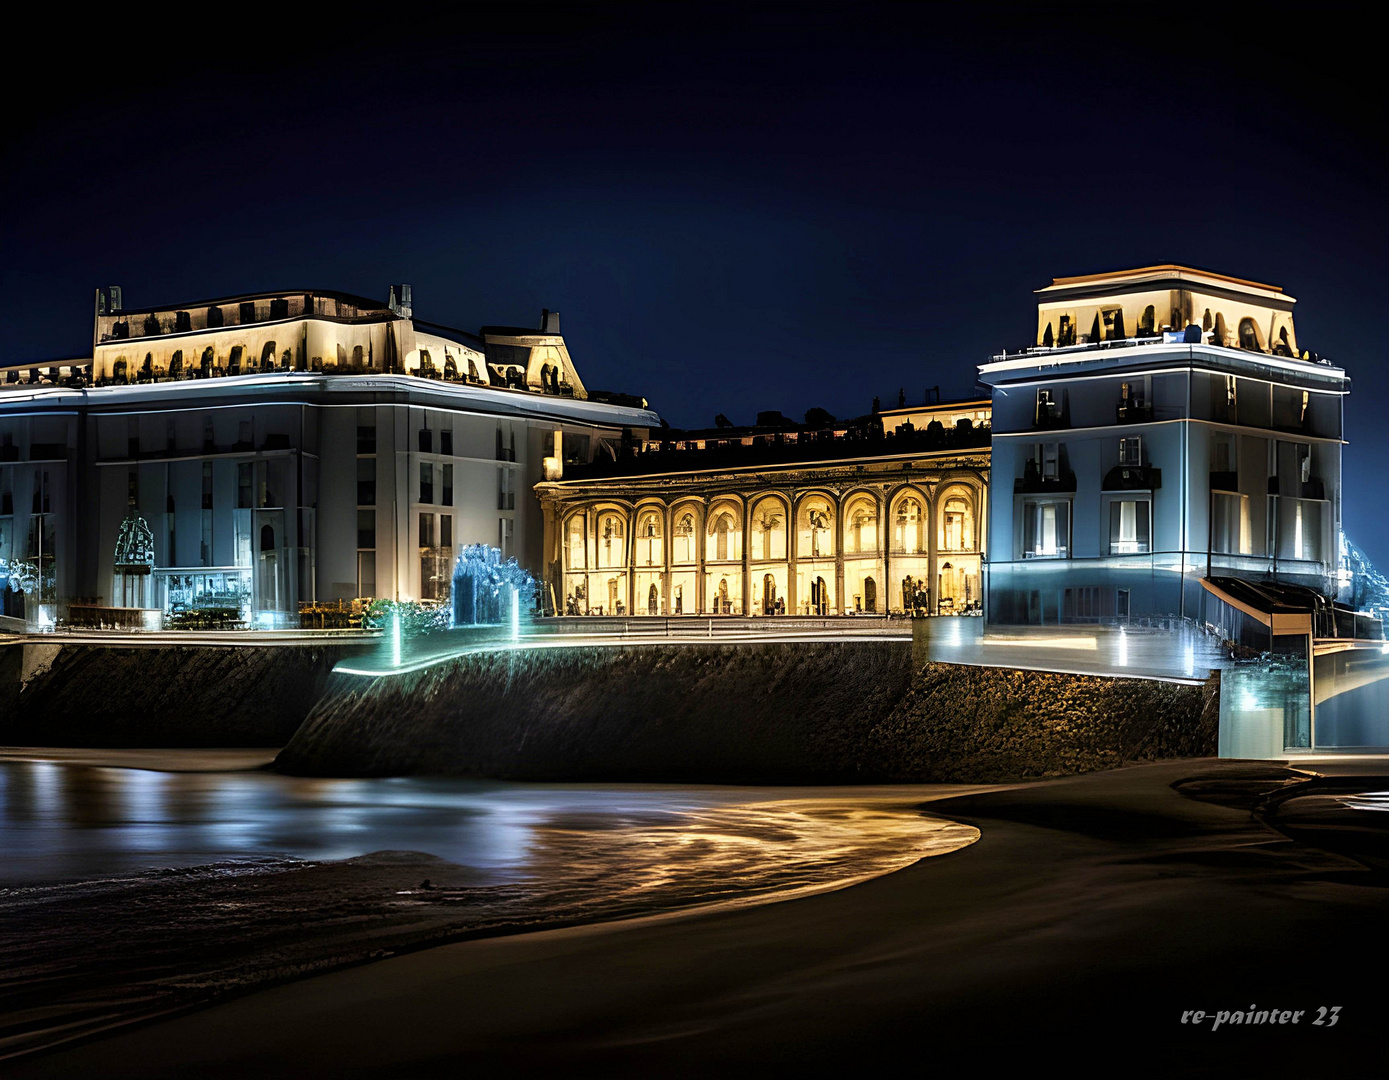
column 400, row 301
column 549, row 321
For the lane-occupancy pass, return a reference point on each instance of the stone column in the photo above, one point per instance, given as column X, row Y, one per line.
column 747, row 556
column 840, row 606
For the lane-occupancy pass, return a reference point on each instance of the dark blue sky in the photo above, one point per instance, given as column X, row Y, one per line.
column 733, row 209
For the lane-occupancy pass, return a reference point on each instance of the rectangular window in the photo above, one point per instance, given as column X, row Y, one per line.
column 1048, row 412
column 244, row 477
column 366, row 438
column 1130, row 527
column 506, row 533
column 1131, row 451
column 426, row 530
column 446, row 441
column 1231, row 531
column 366, row 528
column 448, row 485
column 426, row 440
column 1222, row 449
column 446, row 531
column 207, row 485
column 506, row 498
column 366, row 481
column 1046, row 528
column 426, row 481
column 366, row 573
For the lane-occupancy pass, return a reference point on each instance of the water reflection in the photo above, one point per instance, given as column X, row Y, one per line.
column 62, row 822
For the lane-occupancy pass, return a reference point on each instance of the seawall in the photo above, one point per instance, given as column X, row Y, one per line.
column 739, row 713
column 165, row 695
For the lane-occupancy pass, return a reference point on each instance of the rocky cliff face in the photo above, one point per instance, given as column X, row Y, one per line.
column 90, row 695
column 794, row 712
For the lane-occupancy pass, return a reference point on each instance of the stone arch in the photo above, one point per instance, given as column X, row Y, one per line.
column 1250, row 336
column 267, row 356
column 575, row 540
column 770, row 523
column 267, row 538
column 648, row 536
column 686, row 521
column 860, row 528
column 817, row 518
column 723, row 529
column 909, row 512
column 957, row 514
column 234, row 360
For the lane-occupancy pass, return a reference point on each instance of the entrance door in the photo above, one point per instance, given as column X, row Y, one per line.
column 653, row 601
column 721, row 602
column 612, row 597
column 817, row 596
column 870, row 595
column 769, row 595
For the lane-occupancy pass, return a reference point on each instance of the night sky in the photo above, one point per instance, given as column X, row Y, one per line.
column 733, row 209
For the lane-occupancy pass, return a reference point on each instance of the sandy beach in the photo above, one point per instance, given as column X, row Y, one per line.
column 1090, row 917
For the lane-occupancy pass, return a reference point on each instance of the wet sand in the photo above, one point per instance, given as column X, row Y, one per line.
column 1090, row 916
column 95, row 953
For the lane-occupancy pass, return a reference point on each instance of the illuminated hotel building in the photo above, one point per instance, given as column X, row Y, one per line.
column 261, row 453
column 1162, row 429
column 880, row 514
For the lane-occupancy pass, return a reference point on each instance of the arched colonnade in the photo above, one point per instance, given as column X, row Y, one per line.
column 811, row 551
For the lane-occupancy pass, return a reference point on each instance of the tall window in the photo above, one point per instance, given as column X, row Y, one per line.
column 908, row 535
column 957, row 525
column 769, row 530
column 448, row 485
column 366, row 481
column 1130, row 524
column 649, row 551
column 1131, row 451
column 426, row 481
column 1046, row 528
column 683, row 549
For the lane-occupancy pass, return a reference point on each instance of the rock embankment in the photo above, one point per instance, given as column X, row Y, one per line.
column 790, row 713
column 195, row 696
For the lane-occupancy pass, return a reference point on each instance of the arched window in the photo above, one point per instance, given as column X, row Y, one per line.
column 769, row 529
column 861, row 526
column 908, row 536
column 1147, row 322
column 1222, row 335
column 267, row 357
column 870, row 595
column 574, row 548
column 725, row 535
column 957, row 525
column 612, row 550
column 267, row 538
column 649, row 548
column 815, row 528
column 1249, row 336
column 205, row 364
column 234, row 360
column 683, row 540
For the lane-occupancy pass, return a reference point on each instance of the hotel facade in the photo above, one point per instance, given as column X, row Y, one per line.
column 260, row 455
column 271, row 454
column 1181, row 438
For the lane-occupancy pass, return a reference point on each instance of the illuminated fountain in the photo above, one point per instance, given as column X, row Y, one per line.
column 488, row 591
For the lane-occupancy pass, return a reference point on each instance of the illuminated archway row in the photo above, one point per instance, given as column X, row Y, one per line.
column 815, row 550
